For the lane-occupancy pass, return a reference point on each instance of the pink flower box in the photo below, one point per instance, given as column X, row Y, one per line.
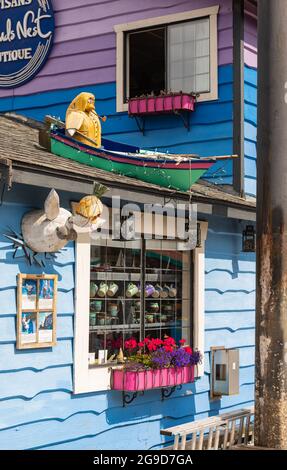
column 135, row 381
column 162, row 104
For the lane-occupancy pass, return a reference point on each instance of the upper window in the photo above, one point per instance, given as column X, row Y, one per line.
column 174, row 58
column 172, row 53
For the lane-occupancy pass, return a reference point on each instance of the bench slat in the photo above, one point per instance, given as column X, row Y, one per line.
column 188, row 428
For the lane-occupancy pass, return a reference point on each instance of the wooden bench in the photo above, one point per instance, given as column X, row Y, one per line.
column 217, row 432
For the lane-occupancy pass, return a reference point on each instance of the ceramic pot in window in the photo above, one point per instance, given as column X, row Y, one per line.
column 149, row 290
column 154, row 307
column 93, row 289
column 103, row 289
column 98, row 305
column 157, row 291
column 113, row 289
column 131, row 290
column 101, row 320
column 149, row 318
column 93, row 319
column 164, row 292
column 172, row 291
column 113, row 310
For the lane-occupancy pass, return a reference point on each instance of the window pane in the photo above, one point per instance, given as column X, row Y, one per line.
column 202, row 83
column 114, row 302
column 202, row 65
column 168, row 297
column 189, row 56
column 146, row 62
column 202, row 48
column 115, row 295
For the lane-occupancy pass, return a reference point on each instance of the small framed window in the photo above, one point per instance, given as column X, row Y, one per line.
column 172, row 54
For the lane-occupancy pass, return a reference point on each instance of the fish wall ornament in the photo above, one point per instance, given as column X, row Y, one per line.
column 48, row 230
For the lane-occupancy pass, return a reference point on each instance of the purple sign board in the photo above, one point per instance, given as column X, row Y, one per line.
column 26, row 36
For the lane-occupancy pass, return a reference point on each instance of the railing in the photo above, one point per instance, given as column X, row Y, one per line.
column 215, row 433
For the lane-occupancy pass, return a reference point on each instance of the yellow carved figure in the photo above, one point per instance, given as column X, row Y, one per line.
column 82, row 120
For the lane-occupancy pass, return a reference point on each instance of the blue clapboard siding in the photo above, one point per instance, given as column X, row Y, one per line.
column 211, row 125
column 37, row 407
column 250, row 128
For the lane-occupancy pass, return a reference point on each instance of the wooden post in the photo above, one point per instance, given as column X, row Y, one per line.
column 271, row 298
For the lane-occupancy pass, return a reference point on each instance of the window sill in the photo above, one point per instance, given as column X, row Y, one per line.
column 95, row 379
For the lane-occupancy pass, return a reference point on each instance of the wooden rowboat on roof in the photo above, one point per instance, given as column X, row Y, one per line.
column 177, row 172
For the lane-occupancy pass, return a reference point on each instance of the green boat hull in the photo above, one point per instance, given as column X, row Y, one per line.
column 178, row 179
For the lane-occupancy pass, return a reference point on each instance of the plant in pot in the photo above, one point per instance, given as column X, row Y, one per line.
column 155, row 363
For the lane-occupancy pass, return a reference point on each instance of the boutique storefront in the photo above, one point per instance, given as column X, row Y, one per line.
column 106, row 338
column 111, row 295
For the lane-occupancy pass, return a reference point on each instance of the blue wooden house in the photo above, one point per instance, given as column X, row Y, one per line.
column 60, row 397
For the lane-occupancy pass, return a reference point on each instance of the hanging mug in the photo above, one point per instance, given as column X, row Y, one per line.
column 113, row 289
column 157, row 291
column 93, row 319
column 172, row 291
column 93, row 289
column 113, row 310
column 164, row 292
column 154, row 307
column 131, row 290
column 102, row 289
column 138, row 294
column 98, row 305
column 149, row 290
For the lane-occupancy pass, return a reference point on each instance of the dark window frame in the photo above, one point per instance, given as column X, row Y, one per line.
column 165, row 27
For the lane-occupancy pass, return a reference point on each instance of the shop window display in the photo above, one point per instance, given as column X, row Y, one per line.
column 138, row 289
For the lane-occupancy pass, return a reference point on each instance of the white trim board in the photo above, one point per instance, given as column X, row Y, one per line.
column 120, row 29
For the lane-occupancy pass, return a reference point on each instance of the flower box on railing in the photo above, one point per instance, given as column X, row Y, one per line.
column 141, row 380
column 164, row 103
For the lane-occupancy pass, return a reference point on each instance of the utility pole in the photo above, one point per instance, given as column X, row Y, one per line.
column 271, row 298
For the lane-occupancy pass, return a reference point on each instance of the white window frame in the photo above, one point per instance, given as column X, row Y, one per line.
column 121, row 29
column 97, row 379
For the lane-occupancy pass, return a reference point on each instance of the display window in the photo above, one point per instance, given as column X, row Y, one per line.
column 133, row 290
column 138, row 289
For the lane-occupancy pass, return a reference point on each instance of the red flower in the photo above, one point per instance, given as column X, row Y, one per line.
column 151, row 346
column 157, row 342
column 188, row 350
column 168, row 348
column 168, row 341
column 182, row 341
column 131, row 343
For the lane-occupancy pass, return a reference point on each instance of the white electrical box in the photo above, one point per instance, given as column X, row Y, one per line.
column 225, row 372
